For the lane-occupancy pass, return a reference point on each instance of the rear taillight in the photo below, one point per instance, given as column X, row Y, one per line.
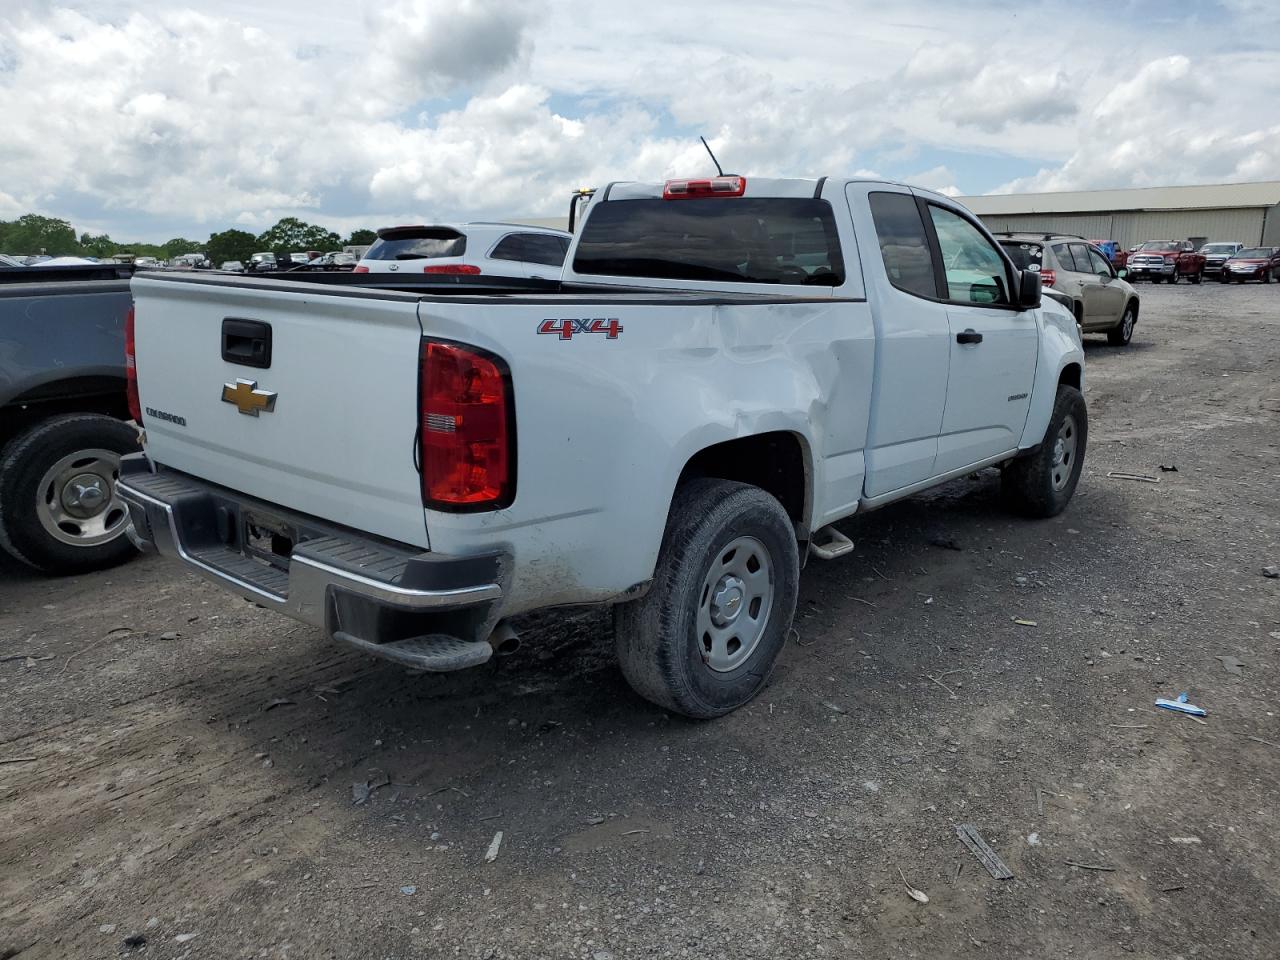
column 131, row 369
column 360, row 269
column 1047, row 277
column 454, row 269
column 714, row 187
column 467, row 443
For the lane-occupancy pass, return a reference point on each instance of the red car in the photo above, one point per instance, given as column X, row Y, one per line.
column 1254, row 263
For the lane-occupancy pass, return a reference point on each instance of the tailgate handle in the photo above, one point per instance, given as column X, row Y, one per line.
column 246, row 342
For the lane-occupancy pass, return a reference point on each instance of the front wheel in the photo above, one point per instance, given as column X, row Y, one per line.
column 704, row 639
column 1119, row 336
column 1197, row 277
column 1173, row 277
column 1041, row 485
column 59, row 511
column 1266, row 277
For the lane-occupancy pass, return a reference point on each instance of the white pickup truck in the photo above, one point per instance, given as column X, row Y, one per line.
column 728, row 368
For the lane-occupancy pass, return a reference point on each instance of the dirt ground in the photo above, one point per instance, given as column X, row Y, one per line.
column 193, row 757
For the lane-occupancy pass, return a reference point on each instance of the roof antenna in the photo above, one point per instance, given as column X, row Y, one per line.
column 713, row 156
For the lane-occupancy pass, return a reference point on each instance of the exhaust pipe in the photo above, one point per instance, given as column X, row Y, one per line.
column 504, row 640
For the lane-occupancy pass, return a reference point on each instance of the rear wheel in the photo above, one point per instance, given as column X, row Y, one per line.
column 59, row 511
column 705, row 637
column 1120, row 336
column 1041, row 485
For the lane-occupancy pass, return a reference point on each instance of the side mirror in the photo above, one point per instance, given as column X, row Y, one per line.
column 1122, row 272
column 1029, row 287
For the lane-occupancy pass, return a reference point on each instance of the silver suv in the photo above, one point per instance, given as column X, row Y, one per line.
column 1078, row 271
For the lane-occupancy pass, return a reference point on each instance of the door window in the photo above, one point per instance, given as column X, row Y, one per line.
column 904, row 245
column 544, row 248
column 1081, row 254
column 510, row 247
column 976, row 272
column 1099, row 263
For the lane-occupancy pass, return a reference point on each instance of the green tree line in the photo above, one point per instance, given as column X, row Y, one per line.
column 33, row 234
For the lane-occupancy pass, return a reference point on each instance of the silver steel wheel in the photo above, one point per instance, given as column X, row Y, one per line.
column 76, row 500
column 1064, row 453
column 735, row 603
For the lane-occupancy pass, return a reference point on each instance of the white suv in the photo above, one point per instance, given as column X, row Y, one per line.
column 469, row 249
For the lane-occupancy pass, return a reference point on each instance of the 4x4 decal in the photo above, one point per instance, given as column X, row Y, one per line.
column 565, row 329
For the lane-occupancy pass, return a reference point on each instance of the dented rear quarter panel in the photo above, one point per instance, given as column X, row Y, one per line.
column 605, row 426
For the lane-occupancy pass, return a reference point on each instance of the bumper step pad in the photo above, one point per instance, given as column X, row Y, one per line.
column 434, row 653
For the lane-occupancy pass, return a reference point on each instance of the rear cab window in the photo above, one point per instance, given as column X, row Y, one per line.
column 764, row 240
column 417, row 243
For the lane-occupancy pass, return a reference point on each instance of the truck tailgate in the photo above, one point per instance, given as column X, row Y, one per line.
column 326, row 428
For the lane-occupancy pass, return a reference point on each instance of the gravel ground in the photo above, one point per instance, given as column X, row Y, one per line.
column 194, row 757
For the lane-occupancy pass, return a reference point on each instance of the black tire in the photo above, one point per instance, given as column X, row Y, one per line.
column 1266, row 277
column 24, row 486
column 1120, row 336
column 1031, row 484
column 659, row 649
column 1173, row 277
column 1197, row 277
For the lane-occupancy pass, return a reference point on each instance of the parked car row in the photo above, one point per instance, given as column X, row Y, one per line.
column 1174, row 260
column 267, row 262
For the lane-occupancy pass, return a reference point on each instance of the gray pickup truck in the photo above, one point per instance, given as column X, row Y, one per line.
column 64, row 416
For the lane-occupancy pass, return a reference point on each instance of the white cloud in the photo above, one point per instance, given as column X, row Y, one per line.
column 1176, row 121
column 425, row 48
column 158, row 117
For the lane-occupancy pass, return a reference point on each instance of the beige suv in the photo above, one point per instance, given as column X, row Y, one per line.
column 1101, row 299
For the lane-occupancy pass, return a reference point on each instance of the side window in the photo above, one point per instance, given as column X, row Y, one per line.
column 1064, row 257
column 904, row 244
column 543, row 248
column 1081, row 254
column 976, row 272
column 1100, row 265
column 510, row 247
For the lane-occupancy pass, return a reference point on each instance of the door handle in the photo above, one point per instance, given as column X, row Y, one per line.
column 969, row 336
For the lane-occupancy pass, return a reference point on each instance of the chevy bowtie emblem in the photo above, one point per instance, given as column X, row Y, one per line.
column 248, row 399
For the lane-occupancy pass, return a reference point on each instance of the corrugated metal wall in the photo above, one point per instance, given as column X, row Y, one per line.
column 1131, row 228
column 1271, row 232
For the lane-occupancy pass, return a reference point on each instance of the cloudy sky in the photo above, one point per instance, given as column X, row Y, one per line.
column 156, row 119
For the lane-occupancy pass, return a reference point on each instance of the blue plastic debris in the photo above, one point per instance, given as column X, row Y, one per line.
column 1181, row 706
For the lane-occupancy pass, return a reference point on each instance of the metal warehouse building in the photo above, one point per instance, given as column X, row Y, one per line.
column 1244, row 212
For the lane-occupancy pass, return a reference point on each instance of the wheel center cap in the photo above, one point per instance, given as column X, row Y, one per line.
column 84, row 493
column 726, row 600
column 1059, row 451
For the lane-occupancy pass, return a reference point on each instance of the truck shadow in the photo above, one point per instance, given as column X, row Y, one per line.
column 556, row 730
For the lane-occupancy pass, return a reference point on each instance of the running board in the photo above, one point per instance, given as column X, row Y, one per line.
column 829, row 543
column 434, row 653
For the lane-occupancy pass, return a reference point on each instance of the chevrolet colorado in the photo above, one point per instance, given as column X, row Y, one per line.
column 727, row 368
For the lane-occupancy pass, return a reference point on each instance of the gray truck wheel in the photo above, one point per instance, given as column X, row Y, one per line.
column 1041, row 485
column 59, row 511
column 705, row 637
